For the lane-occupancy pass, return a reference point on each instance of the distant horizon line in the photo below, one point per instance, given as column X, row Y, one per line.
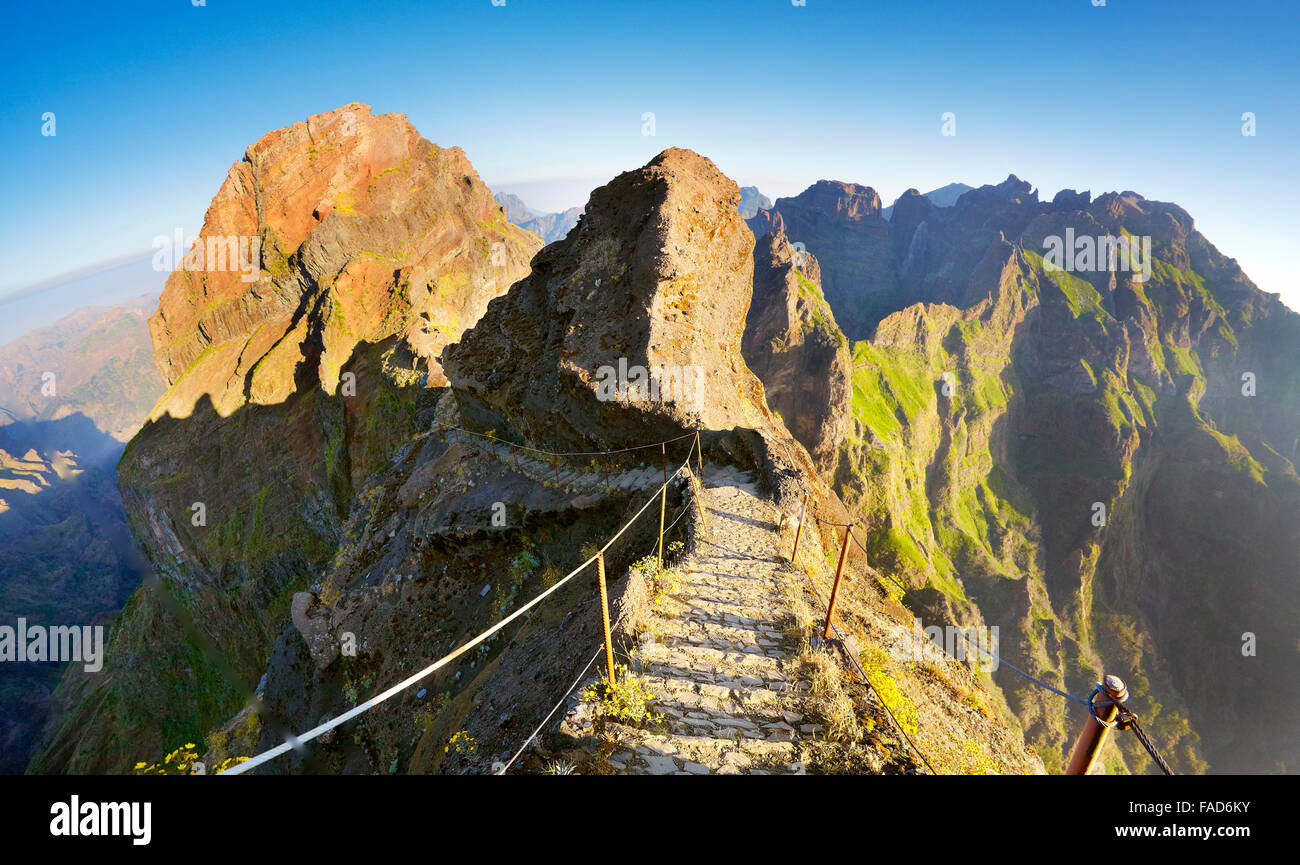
column 20, row 290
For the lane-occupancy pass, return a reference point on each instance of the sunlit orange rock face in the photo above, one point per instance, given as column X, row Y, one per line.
column 365, row 230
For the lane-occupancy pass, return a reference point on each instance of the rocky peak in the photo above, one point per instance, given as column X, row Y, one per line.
column 657, row 275
column 846, row 200
column 1068, row 199
column 514, row 207
column 909, row 211
column 842, row 225
column 364, row 230
column 376, row 248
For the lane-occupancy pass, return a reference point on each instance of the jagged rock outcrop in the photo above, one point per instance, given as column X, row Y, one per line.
column 629, row 329
column 366, row 231
column 793, row 345
column 842, row 225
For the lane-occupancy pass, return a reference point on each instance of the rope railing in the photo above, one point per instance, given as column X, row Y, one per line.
column 505, row 767
column 862, row 673
column 326, row 726
column 446, row 429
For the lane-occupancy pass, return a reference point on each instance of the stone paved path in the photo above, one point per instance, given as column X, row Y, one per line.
column 721, row 668
column 585, row 478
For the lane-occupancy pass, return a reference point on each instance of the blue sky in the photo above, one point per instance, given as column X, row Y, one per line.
column 155, row 100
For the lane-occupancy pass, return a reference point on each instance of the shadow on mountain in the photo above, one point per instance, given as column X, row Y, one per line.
column 67, row 556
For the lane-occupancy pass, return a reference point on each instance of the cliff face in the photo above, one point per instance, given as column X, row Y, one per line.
column 366, row 231
column 284, row 392
column 793, row 345
column 841, row 224
column 1000, row 402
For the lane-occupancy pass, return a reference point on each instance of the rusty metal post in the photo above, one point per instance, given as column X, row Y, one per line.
column 699, row 453
column 663, row 504
column 555, row 461
column 515, row 453
column 1093, row 736
column 803, row 510
column 835, row 590
column 604, row 614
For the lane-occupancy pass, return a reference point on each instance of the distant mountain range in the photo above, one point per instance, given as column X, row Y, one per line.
column 752, row 201
column 944, row 196
column 550, row 227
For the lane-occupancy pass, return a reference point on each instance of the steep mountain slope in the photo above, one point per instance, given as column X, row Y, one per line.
column 284, row 393
column 792, row 343
column 841, row 224
column 536, row 356
column 1006, row 401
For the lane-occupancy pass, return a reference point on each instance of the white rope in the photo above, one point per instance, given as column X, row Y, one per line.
column 296, row 741
column 505, row 768
column 549, row 714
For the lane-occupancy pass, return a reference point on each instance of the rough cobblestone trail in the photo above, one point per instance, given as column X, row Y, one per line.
column 720, row 666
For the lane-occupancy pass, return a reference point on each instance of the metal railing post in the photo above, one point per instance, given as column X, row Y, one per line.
column 604, row 614
column 663, row 505
column 699, row 453
column 803, row 510
column 1088, row 746
column 835, row 590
